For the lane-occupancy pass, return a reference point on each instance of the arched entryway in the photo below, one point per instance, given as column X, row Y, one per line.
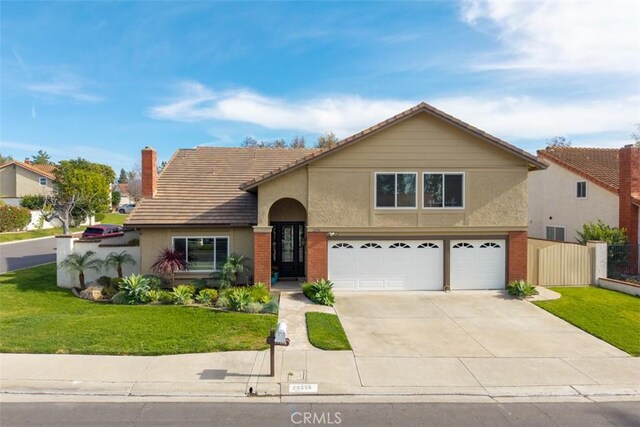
column 287, row 217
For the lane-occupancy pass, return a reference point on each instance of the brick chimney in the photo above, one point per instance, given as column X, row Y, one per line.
column 149, row 172
column 27, row 161
column 629, row 166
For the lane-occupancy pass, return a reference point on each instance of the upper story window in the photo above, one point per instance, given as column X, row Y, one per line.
column 43, row 181
column 443, row 190
column 581, row 189
column 203, row 254
column 396, row 190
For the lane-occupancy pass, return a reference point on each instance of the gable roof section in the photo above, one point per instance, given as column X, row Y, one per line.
column 200, row 187
column 598, row 165
column 423, row 107
column 42, row 170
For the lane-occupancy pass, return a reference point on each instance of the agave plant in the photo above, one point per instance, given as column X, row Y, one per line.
column 168, row 262
column 75, row 263
column 135, row 289
column 117, row 260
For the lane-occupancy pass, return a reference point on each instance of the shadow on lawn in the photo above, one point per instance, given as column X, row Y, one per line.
column 34, row 279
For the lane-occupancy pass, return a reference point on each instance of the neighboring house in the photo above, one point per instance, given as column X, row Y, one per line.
column 418, row 201
column 18, row 179
column 124, row 194
column 584, row 185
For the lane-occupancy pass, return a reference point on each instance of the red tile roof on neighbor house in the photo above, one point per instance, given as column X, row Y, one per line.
column 423, row 107
column 598, row 165
column 43, row 170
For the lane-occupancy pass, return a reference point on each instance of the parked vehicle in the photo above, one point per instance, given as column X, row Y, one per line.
column 125, row 209
column 102, row 230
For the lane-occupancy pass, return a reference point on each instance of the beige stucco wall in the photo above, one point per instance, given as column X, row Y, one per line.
column 8, row 181
column 553, row 202
column 153, row 240
column 338, row 190
column 28, row 182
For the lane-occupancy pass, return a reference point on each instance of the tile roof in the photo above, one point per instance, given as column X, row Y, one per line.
column 200, row 187
column 423, row 107
column 598, row 165
column 43, row 170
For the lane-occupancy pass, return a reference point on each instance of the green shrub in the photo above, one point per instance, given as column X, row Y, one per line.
column 135, row 289
column 155, row 282
column 320, row 292
column 260, row 293
column 222, row 302
column 521, row 289
column 99, row 217
column 119, row 298
column 13, row 218
column 161, row 296
column 239, row 299
column 134, row 242
column 34, row 202
column 104, row 281
column 183, row 294
column 109, row 291
column 199, row 284
column 207, row 296
column 254, row 307
column 270, row 307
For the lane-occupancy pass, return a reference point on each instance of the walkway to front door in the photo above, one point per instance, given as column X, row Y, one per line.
column 288, row 251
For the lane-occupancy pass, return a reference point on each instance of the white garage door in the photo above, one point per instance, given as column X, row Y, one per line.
column 477, row 264
column 386, row 264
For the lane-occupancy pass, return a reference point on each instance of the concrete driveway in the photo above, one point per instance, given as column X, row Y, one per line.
column 471, row 339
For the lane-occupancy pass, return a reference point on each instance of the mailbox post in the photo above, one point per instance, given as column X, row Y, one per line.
column 276, row 337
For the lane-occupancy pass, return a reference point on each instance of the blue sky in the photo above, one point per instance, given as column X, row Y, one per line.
column 102, row 80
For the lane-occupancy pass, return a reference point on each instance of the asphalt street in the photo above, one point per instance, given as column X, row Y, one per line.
column 293, row 414
column 28, row 253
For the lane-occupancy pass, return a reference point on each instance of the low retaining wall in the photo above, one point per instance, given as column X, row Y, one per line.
column 66, row 245
column 620, row 286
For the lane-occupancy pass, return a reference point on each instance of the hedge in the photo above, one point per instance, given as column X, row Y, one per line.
column 32, row 201
column 13, row 218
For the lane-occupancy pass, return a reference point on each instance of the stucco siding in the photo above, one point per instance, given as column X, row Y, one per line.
column 8, row 181
column 28, row 182
column 553, row 202
column 292, row 185
column 152, row 240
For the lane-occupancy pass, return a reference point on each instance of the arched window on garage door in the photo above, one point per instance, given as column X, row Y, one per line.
column 489, row 245
column 342, row 246
column 462, row 245
column 371, row 246
column 399, row 245
column 428, row 245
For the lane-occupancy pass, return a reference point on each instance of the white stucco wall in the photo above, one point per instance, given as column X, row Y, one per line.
column 553, row 202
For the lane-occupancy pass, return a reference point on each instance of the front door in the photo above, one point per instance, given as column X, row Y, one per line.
column 288, row 241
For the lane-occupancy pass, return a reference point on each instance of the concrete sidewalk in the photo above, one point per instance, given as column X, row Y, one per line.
column 339, row 376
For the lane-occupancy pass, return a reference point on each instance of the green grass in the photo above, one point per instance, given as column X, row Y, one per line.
column 38, row 317
column 24, row 235
column 611, row 316
column 325, row 331
column 114, row 218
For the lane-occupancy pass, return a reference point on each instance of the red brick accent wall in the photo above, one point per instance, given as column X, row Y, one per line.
column 629, row 167
column 149, row 172
column 262, row 258
column 316, row 256
column 517, row 257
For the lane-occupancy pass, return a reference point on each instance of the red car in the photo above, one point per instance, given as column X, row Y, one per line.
column 102, row 230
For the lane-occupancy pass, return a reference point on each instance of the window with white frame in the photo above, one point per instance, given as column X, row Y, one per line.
column 203, row 254
column 443, row 190
column 555, row 232
column 581, row 189
column 43, row 181
column 396, row 190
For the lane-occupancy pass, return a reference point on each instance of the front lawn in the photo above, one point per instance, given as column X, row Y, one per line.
column 38, row 317
column 325, row 331
column 114, row 218
column 611, row 316
column 24, row 235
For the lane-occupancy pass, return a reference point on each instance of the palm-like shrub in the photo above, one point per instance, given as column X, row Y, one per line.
column 134, row 289
column 320, row 292
column 75, row 263
column 168, row 262
column 231, row 269
column 117, row 260
column 260, row 293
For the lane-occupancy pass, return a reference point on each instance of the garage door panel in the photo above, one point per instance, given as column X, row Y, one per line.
column 477, row 264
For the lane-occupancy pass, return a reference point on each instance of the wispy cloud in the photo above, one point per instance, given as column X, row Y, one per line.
column 341, row 114
column 65, row 89
column 521, row 117
column 583, row 36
